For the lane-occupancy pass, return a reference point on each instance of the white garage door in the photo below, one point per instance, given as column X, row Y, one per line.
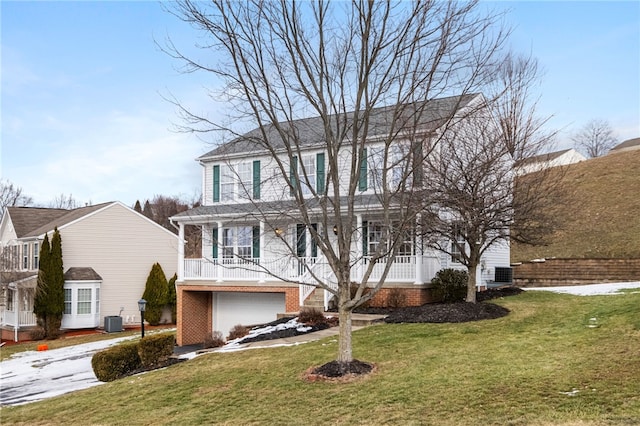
column 230, row 309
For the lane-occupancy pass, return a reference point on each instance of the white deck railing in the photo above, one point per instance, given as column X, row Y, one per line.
column 25, row 318
column 403, row 269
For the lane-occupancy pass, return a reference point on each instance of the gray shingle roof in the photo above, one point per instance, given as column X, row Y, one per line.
column 428, row 115
column 256, row 209
column 81, row 274
column 627, row 144
column 34, row 221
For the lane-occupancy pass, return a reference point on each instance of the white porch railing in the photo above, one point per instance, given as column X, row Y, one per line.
column 404, row 269
column 25, row 318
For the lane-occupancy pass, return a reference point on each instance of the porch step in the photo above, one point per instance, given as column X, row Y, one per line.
column 315, row 300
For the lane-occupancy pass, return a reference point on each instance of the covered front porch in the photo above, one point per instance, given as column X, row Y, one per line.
column 16, row 313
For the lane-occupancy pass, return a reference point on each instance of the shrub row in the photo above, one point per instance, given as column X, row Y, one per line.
column 122, row 360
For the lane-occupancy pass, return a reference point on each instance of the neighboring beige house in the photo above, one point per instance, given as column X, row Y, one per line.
column 107, row 251
column 551, row 159
column 628, row 145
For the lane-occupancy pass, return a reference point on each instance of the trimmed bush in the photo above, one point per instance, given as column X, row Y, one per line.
column 156, row 349
column 214, row 340
column 237, row 332
column 115, row 362
column 311, row 316
column 450, row 285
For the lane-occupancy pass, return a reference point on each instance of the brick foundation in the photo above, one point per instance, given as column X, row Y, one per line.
column 408, row 297
column 561, row 272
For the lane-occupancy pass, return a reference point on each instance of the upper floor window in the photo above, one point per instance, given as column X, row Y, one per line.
column 309, row 171
column 396, row 170
column 236, row 182
column 25, row 256
column 36, row 253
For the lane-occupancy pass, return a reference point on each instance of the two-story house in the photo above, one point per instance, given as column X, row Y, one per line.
column 107, row 251
column 259, row 258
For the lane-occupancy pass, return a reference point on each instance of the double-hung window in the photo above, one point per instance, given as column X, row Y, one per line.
column 67, row 301
column 245, row 181
column 375, row 233
column 236, row 182
column 84, row 301
column 25, row 256
column 35, row 255
column 240, row 241
column 458, row 245
column 309, row 171
column 375, row 162
column 227, row 183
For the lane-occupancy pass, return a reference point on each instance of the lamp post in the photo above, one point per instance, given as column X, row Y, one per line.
column 142, row 305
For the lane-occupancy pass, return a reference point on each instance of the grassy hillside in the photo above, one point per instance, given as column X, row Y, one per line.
column 543, row 364
column 600, row 212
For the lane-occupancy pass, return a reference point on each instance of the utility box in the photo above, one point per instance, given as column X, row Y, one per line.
column 113, row 324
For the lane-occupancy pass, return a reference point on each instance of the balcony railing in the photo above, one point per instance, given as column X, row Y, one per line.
column 302, row 270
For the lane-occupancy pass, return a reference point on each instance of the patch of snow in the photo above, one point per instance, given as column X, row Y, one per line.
column 36, row 375
column 588, row 290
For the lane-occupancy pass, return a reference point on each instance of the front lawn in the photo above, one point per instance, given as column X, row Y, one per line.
column 555, row 359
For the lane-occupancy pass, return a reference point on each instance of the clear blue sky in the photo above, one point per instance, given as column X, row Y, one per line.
column 82, row 111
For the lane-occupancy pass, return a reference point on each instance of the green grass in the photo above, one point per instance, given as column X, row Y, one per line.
column 510, row 371
column 599, row 212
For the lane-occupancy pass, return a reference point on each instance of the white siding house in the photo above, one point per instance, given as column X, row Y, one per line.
column 108, row 251
column 259, row 259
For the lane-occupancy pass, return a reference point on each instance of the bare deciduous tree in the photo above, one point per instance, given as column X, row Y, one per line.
column 64, row 201
column 366, row 70
column 12, row 196
column 473, row 202
column 596, row 138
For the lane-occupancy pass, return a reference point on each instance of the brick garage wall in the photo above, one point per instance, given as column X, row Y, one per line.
column 195, row 309
column 194, row 315
column 560, row 272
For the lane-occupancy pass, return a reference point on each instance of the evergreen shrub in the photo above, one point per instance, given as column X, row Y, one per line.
column 155, row 293
column 450, row 285
column 156, row 349
column 115, row 362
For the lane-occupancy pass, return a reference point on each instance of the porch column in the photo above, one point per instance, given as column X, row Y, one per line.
column 181, row 251
column 419, row 251
column 262, row 280
column 360, row 241
column 220, row 254
column 16, row 310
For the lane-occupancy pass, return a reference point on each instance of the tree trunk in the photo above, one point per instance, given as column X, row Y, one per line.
column 471, row 283
column 345, row 353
